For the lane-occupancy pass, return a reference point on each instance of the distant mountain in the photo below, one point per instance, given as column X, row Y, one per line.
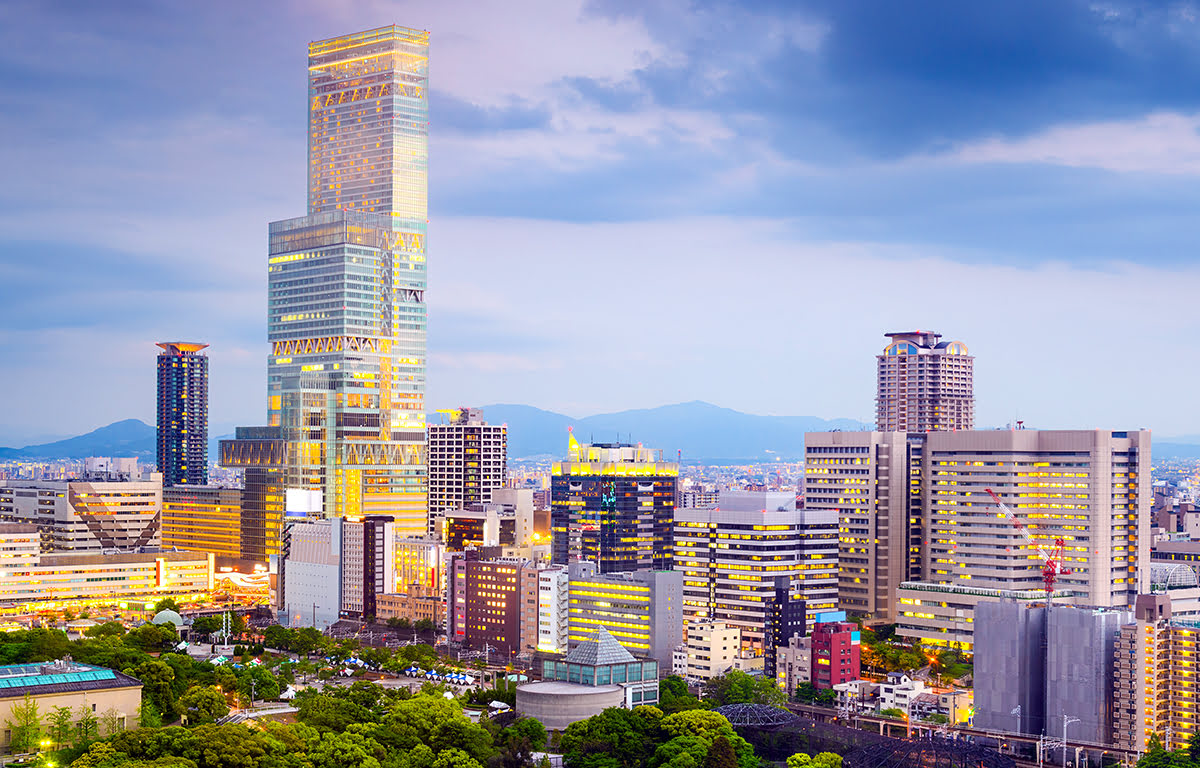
column 701, row 430
column 131, row 437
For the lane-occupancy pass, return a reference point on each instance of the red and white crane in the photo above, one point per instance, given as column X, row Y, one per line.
column 1052, row 566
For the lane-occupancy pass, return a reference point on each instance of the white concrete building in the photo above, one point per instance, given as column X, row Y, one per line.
column 899, row 690
column 712, row 648
column 553, row 609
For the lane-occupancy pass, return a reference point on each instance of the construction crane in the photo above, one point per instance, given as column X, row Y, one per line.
column 1052, row 566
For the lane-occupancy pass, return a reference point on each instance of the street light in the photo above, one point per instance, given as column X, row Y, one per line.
column 1067, row 720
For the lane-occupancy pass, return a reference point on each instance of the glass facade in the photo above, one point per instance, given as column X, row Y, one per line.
column 346, row 305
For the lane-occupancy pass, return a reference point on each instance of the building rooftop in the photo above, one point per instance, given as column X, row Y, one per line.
column 600, row 650
column 560, row 687
column 62, row 676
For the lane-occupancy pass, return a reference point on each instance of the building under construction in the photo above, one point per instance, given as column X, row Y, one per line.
column 1034, row 665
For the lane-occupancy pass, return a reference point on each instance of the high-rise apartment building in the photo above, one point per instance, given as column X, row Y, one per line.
column 1155, row 675
column 1086, row 487
column 553, row 610
column 862, row 478
column 203, row 518
column 786, row 617
column 732, row 555
column 642, row 609
column 925, row 384
column 612, row 504
column 182, row 413
column 346, row 309
column 87, row 515
column 468, row 459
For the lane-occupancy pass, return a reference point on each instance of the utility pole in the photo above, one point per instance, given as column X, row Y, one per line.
column 1067, row 720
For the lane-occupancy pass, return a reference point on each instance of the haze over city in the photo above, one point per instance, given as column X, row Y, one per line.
column 629, row 207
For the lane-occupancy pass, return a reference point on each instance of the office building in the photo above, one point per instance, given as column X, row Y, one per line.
column 346, row 307
column 260, row 453
column 310, row 583
column 731, row 556
column 861, row 477
column 834, row 646
column 336, row 569
column 642, row 609
column 88, row 515
column 553, row 609
column 203, row 518
column 925, row 384
column 368, row 564
column 612, row 504
column 32, row 580
column 493, row 602
column 77, row 688
column 712, row 648
column 498, row 523
column 420, row 561
column 182, row 413
column 1085, row 487
column 1154, row 682
column 468, row 459
column 786, row 617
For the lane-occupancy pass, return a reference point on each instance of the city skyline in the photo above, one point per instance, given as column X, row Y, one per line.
column 624, row 145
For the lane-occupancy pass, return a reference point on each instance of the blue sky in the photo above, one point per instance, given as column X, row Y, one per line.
column 632, row 203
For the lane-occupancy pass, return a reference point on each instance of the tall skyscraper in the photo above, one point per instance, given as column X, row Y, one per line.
column 346, row 308
column 468, row 459
column 925, row 384
column 612, row 504
column 182, row 413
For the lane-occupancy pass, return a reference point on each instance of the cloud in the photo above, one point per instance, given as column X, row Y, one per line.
column 1163, row 142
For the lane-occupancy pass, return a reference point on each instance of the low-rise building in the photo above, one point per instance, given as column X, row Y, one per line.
column 712, row 648
column 493, row 602
column 553, row 609
column 92, row 515
column 793, row 663
column 597, row 674
column 899, row 690
column 420, row 603
column 857, row 695
column 80, row 688
column 835, row 650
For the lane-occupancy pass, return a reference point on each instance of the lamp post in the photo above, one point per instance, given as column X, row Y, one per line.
column 1067, row 720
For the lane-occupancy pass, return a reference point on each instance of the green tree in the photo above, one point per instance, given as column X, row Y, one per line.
column 721, row 754
column 25, row 725
column 827, row 760
column 346, row 750
column 674, row 696
column 205, row 625
column 279, row 637
column 166, row 604
column 111, row 722
column 203, row 704
column 892, row 712
column 736, row 687
column 799, row 760
column 107, row 629
column 148, row 715
column 87, row 727
column 158, row 679
column 60, row 726
column 259, row 682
